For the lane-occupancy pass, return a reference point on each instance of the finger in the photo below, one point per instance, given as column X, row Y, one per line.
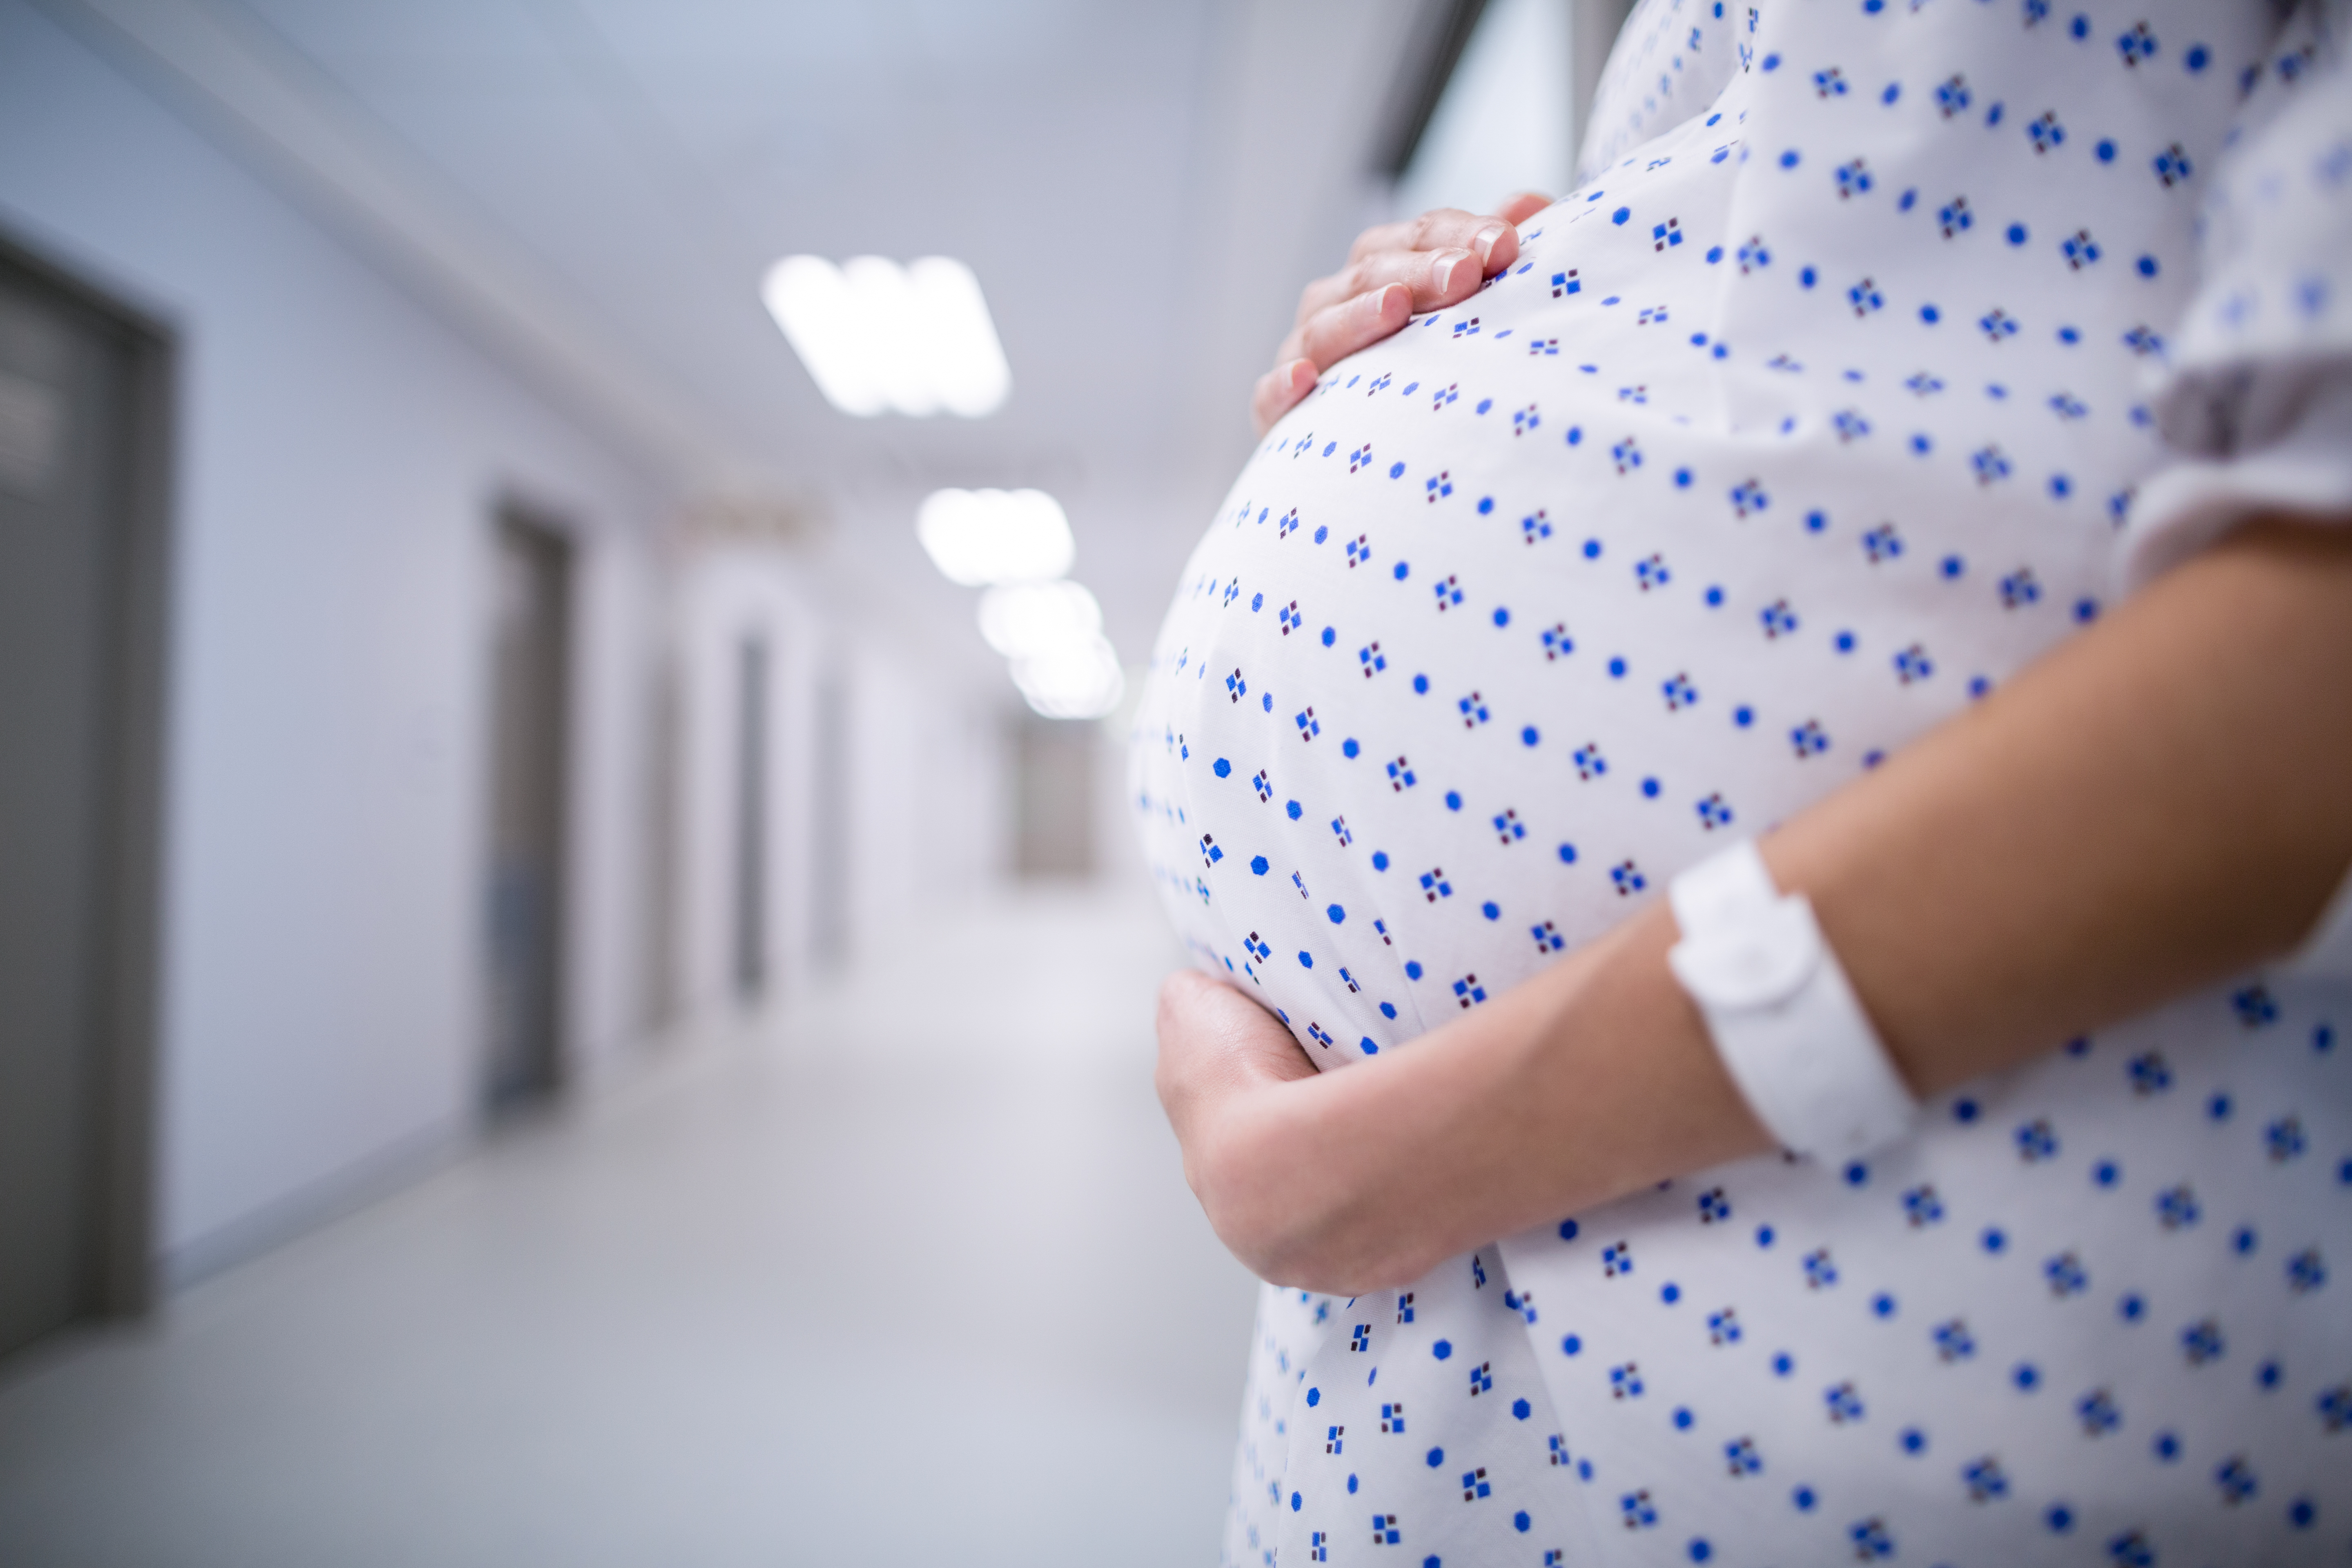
column 1428, row 273
column 1434, row 278
column 1443, row 228
column 1180, row 995
column 1213, row 1041
column 1401, row 252
column 1521, row 205
column 1514, row 210
column 1278, row 390
column 1207, row 1011
column 1230, row 1035
column 1332, row 334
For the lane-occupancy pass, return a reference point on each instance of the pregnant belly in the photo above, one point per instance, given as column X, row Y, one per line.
column 1387, row 773
column 1537, row 602
column 1417, row 726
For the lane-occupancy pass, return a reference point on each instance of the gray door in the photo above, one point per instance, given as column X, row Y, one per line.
column 752, row 700
column 66, row 378
column 1054, row 797
column 532, row 656
column 830, row 827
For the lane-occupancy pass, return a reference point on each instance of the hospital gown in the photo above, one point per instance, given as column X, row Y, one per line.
column 1886, row 345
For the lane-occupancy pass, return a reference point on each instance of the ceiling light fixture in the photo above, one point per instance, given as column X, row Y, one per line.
column 1017, row 545
column 1034, row 620
column 1082, row 681
column 981, row 537
column 877, row 337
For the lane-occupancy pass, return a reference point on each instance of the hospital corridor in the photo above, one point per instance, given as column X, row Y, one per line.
column 576, row 973
column 1103, row 783
column 903, row 1274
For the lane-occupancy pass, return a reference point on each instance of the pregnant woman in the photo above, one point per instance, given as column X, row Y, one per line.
column 1788, row 719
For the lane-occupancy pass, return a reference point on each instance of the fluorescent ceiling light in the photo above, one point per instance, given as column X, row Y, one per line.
column 1033, row 620
column 980, row 537
column 876, row 336
column 1083, row 681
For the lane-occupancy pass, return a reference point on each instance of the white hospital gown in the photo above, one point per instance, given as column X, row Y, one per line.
column 1831, row 400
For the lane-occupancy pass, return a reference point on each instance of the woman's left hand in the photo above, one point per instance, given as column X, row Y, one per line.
column 1219, row 1053
column 1394, row 269
column 1343, row 1181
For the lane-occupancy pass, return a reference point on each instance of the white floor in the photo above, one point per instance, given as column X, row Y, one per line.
column 909, row 1277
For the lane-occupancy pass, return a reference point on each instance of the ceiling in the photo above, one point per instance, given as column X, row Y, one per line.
column 1141, row 186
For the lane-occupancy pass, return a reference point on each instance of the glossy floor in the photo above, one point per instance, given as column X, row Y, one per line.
column 908, row 1276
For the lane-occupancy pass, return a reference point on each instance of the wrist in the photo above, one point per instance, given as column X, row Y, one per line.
column 1783, row 1019
column 1626, row 1062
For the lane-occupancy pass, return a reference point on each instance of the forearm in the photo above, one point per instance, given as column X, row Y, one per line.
column 1591, row 1080
column 2158, row 804
column 2163, row 802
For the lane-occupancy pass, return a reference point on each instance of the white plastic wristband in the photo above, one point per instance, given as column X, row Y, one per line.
column 1785, row 1022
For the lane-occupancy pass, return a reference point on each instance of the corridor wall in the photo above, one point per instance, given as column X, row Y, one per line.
column 917, row 821
column 340, row 449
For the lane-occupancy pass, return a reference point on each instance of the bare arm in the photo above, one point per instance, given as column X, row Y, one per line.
column 2158, row 804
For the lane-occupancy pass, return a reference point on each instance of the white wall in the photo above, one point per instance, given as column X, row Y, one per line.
column 340, row 451
column 928, row 814
column 923, row 780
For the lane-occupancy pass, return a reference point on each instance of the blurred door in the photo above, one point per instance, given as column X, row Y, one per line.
column 1054, row 797
column 752, row 681
column 663, row 761
column 830, row 827
column 68, row 380
column 530, row 663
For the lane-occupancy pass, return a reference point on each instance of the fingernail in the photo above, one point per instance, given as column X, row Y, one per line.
column 1442, row 273
column 1485, row 241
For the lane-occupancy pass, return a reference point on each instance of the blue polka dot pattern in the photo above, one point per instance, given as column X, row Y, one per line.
column 1819, row 411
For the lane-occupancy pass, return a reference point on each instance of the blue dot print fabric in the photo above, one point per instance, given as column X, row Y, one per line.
column 1885, row 345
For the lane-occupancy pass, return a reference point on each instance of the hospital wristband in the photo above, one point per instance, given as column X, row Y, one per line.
column 1785, row 1022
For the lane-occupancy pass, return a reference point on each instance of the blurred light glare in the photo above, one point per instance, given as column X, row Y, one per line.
column 968, row 374
column 980, row 537
column 1081, row 681
column 877, row 337
column 1036, row 620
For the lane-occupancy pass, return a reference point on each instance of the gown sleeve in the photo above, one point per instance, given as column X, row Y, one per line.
column 2256, row 401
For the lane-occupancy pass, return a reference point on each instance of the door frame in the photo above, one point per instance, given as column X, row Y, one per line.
column 121, row 1255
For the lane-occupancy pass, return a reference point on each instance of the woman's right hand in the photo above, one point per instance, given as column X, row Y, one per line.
column 1421, row 264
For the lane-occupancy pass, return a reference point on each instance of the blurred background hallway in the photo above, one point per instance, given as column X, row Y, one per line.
column 573, row 985
column 905, row 1274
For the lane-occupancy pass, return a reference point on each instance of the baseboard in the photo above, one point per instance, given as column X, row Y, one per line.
column 369, row 1180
